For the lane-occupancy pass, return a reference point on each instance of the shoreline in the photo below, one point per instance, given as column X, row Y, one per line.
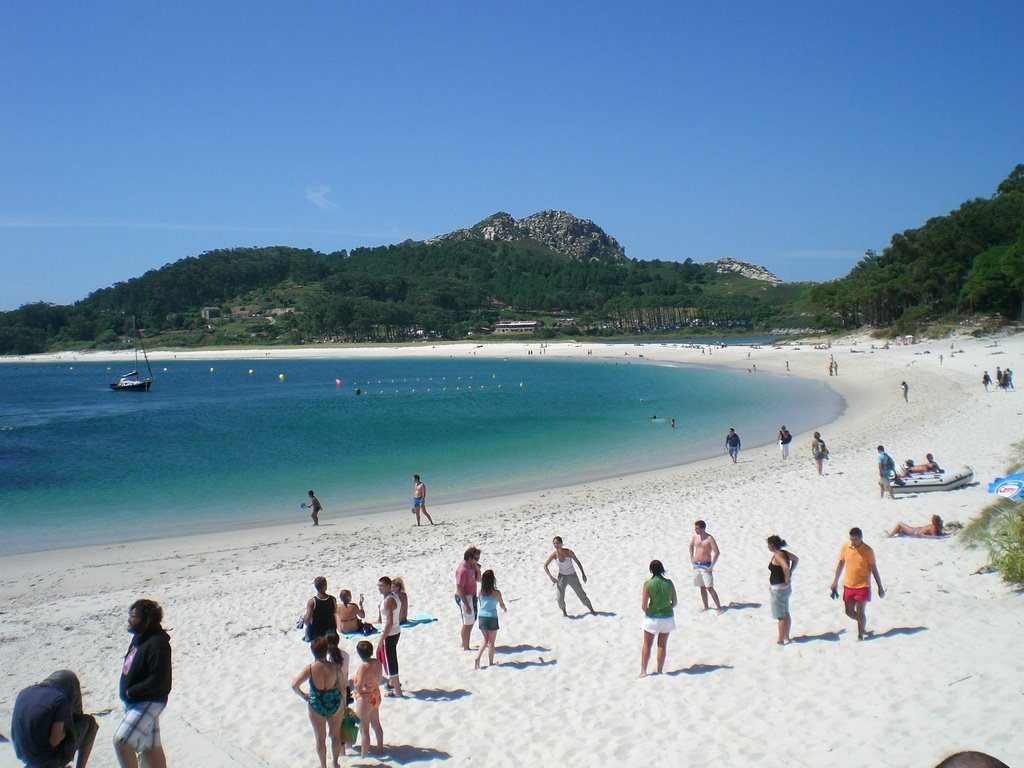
column 659, row 355
column 231, row 599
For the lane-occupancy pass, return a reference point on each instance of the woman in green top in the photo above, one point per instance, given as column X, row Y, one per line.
column 657, row 602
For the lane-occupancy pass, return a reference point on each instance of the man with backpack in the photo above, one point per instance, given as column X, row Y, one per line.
column 886, row 466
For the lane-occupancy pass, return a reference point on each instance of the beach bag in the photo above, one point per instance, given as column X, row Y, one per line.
column 888, row 464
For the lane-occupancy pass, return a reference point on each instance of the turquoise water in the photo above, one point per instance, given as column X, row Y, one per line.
column 222, row 444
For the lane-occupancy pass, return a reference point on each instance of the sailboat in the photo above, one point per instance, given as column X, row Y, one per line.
column 130, row 382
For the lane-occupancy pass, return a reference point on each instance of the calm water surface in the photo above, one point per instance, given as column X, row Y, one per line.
column 238, row 443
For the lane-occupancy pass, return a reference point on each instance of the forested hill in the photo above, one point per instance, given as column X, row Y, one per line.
column 967, row 263
column 450, row 287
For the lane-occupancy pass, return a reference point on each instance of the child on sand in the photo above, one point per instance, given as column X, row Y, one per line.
column 366, row 691
column 490, row 599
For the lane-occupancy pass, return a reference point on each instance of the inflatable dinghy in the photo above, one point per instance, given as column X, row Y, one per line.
column 946, row 480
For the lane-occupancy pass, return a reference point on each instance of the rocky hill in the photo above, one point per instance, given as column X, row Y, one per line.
column 579, row 239
column 753, row 271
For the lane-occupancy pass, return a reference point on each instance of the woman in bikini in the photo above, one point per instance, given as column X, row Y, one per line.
column 349, row 614
column 366, row 690
column 935, row 528
column 325, row 698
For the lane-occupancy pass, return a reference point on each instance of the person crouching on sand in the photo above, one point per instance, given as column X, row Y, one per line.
column 657, row 601
column 490, row 599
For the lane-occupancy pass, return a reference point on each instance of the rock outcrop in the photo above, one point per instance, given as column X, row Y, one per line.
column 753, row 271
column 579, row 239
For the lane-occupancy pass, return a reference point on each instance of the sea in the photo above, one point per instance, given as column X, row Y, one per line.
column 216, row 445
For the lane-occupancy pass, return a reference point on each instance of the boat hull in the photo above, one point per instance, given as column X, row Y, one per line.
column 926, row 482
column 132, row 386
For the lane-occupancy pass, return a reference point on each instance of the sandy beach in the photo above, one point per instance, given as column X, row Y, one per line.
column 941, row 673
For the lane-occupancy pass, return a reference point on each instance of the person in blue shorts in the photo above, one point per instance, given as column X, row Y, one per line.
column 732, row 444
column 419, row 499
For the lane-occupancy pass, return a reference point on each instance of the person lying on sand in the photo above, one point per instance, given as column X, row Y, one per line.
column 935, row 528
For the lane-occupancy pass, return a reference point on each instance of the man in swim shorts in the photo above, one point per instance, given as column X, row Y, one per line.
column 145, row 686
column 703, row 556
column 419, row 499
column 732, row 444
column 858, row 560
column 467, row 574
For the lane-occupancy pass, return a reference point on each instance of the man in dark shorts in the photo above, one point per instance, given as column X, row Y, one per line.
column 314, row 507
column 858, row 559
column 49, row 726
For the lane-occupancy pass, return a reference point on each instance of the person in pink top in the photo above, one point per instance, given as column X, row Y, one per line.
column 467, row 574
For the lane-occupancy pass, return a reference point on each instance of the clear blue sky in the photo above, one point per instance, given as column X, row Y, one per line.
column 795, row 135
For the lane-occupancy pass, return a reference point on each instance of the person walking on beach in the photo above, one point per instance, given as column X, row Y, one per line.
column 366, row 692
column 419, row 499
column 658, row 602
column 886, row 466
column 819, row 451
column 703, row 556
column 858, row 560
column 490, row 599
column 145, row 686
column 326, row 697
column 49, row 725
column 732, row 444
column 780, row 575
column 986, row 381
column 906, row 388
column 314, row 506
column 321, row 611
column 467, row 574
column 390, row 633
column 785, row 438
column 567, row 574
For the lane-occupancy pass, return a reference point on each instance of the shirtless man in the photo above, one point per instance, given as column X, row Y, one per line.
column 419, row 499
column 314, row 505
column 703, row 555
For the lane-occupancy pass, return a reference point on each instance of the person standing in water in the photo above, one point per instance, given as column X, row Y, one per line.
column 567, row 574
column 419, row 499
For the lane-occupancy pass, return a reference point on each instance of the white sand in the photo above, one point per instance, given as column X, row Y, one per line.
column 943, row 672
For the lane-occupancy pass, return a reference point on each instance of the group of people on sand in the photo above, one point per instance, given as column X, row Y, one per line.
column 329, row 688
column 1004, row 379
column 856, row 566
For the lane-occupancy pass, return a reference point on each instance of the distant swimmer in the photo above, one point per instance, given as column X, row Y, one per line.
column 419, row 499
